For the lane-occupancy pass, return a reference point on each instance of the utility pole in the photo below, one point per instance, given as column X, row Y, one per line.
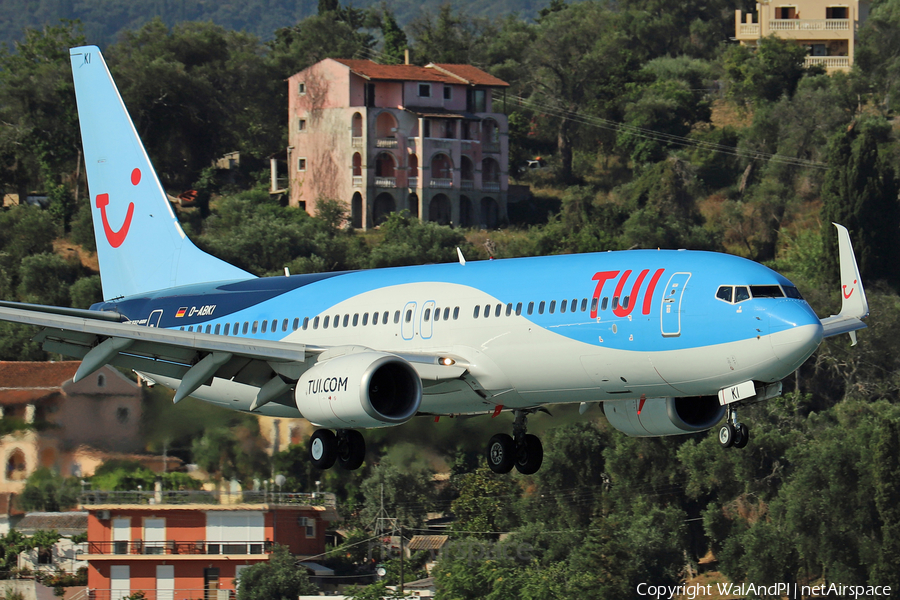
column 401, row 560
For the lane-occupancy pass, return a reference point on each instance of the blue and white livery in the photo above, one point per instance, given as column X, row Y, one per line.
column 666, row 342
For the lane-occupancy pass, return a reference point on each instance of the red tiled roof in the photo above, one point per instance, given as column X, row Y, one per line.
column 66, row 523
column 42, row 375
column 372, row 70
column 439, row 73
column 468, row 73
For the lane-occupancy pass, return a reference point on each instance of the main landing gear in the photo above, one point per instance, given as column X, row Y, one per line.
column 521, row 450
column 733, row 433
column 347, row 447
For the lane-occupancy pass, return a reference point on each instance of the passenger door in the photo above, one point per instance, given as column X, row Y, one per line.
column 670, row 317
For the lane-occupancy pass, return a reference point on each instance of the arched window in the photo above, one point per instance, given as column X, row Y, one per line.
column 357, row 164
column 439, row 209
column 357, row 127
column 385, row 125
column 384, row 165
column 490, row 131
column 441, row 167
column 490, row 171
column 15, row 466
column 467, row 169
column 413, row 165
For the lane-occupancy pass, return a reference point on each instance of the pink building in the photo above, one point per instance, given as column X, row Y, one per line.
column 391, row 137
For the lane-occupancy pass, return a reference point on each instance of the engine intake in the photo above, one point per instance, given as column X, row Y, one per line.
column 664, row 416
column 365, row 389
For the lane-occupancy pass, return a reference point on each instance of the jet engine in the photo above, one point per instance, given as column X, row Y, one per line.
column 365, row 389
column 664, row 416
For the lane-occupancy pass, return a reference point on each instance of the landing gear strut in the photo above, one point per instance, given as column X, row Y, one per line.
column 520, row 450
column 732, row 432
column 347, row 447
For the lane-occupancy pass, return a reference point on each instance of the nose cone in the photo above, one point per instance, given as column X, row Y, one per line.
column 795, row 330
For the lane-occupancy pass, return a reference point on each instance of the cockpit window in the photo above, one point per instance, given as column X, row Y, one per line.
column 725, row 293
column 792, row 292
column 766, row 291
column 741, row 293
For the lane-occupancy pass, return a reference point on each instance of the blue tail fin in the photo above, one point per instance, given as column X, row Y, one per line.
column 140, row 245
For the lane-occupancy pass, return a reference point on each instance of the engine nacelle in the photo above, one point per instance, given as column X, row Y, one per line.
column 664, row 416
column 365, row 389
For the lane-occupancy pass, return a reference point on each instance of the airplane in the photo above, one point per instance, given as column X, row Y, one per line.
column 665, row 342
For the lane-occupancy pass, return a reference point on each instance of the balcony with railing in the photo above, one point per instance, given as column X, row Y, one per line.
column 837, row 63
column 809, row 25
column 386, row 182
column 357, row 141
column 136, row 548
column 748, row 29
column 441, row 183
column 413, row 182
column 490, row 186
column 104, row 498
column 467, row 184
column 491, row 147
column 357, row 181
column 386, row 143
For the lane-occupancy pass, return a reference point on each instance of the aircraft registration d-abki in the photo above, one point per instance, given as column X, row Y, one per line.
column 666, row 342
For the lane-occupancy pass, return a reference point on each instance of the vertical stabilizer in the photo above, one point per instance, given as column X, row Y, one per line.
column 854, row 305
column 140, row 245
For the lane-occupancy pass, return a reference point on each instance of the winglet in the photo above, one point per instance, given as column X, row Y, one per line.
column 854, row 305
column 462, row 259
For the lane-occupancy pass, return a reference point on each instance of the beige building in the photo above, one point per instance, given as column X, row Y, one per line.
column 828, row 29
column 75, row 425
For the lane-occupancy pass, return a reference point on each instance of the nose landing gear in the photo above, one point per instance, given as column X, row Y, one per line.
column 732, row 432
column 521, row 450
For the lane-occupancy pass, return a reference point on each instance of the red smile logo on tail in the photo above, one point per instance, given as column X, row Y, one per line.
column 846, row 294
column 116, row 238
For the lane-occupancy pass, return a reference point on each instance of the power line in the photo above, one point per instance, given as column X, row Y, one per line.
column 658, row 136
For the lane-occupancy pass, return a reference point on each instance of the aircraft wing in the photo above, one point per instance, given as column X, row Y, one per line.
column 854, row 305
column 100, row 338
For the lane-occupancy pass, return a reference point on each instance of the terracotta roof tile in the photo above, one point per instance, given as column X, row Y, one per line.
column 472, row 75
column 428, row 542
column 439, row 73
column 40, row 375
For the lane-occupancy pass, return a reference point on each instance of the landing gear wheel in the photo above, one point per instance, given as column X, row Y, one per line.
column 323, row 449
column 351, row 449
column 530, row 456
column 501, row 453
column 742, row 436
column 727, row 435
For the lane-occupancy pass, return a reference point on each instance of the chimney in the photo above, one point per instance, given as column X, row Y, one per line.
column 406, row 56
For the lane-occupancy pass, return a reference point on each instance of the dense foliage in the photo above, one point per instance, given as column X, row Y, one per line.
column 658, row 133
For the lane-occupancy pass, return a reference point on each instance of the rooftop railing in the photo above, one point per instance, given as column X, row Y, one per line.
column 98, row 498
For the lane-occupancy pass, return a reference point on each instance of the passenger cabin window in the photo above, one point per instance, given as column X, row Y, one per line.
column 316, row 323
column 408, row 316
column 396, row 317
column 455, row 313
column 227, row 329
column 375, row 318
column 497, row 310
column 366, row 319
column 553, row 306
column 583, row 304
column 562, row 307
column 427, row 315
column 766, row 291
column 325, row 322
column 604, row 304
column 264, row 326
column 305, row 324
column 509, row 309
column 519, row 309
column 530, row 308
column 346, row 320
column 477, row 310
column 356, row 319
column 541, row 307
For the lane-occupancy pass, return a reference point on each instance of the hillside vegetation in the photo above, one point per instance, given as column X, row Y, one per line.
column 658, row 133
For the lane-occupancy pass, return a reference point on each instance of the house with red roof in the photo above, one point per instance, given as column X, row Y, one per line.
column 384, row 138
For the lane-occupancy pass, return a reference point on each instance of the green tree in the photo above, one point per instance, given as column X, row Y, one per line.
column 766, row 73
column 860, row 192
column 878, row 52
column 579, row 64
column 46, row 279
column 49, row 491
column 482, row 502
column 886, row 466
column 449, row 37
column 38, row 125
column 408, row 241
column 402, row 484
column 279, row 578
column 395, row 42
column 234, row 453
